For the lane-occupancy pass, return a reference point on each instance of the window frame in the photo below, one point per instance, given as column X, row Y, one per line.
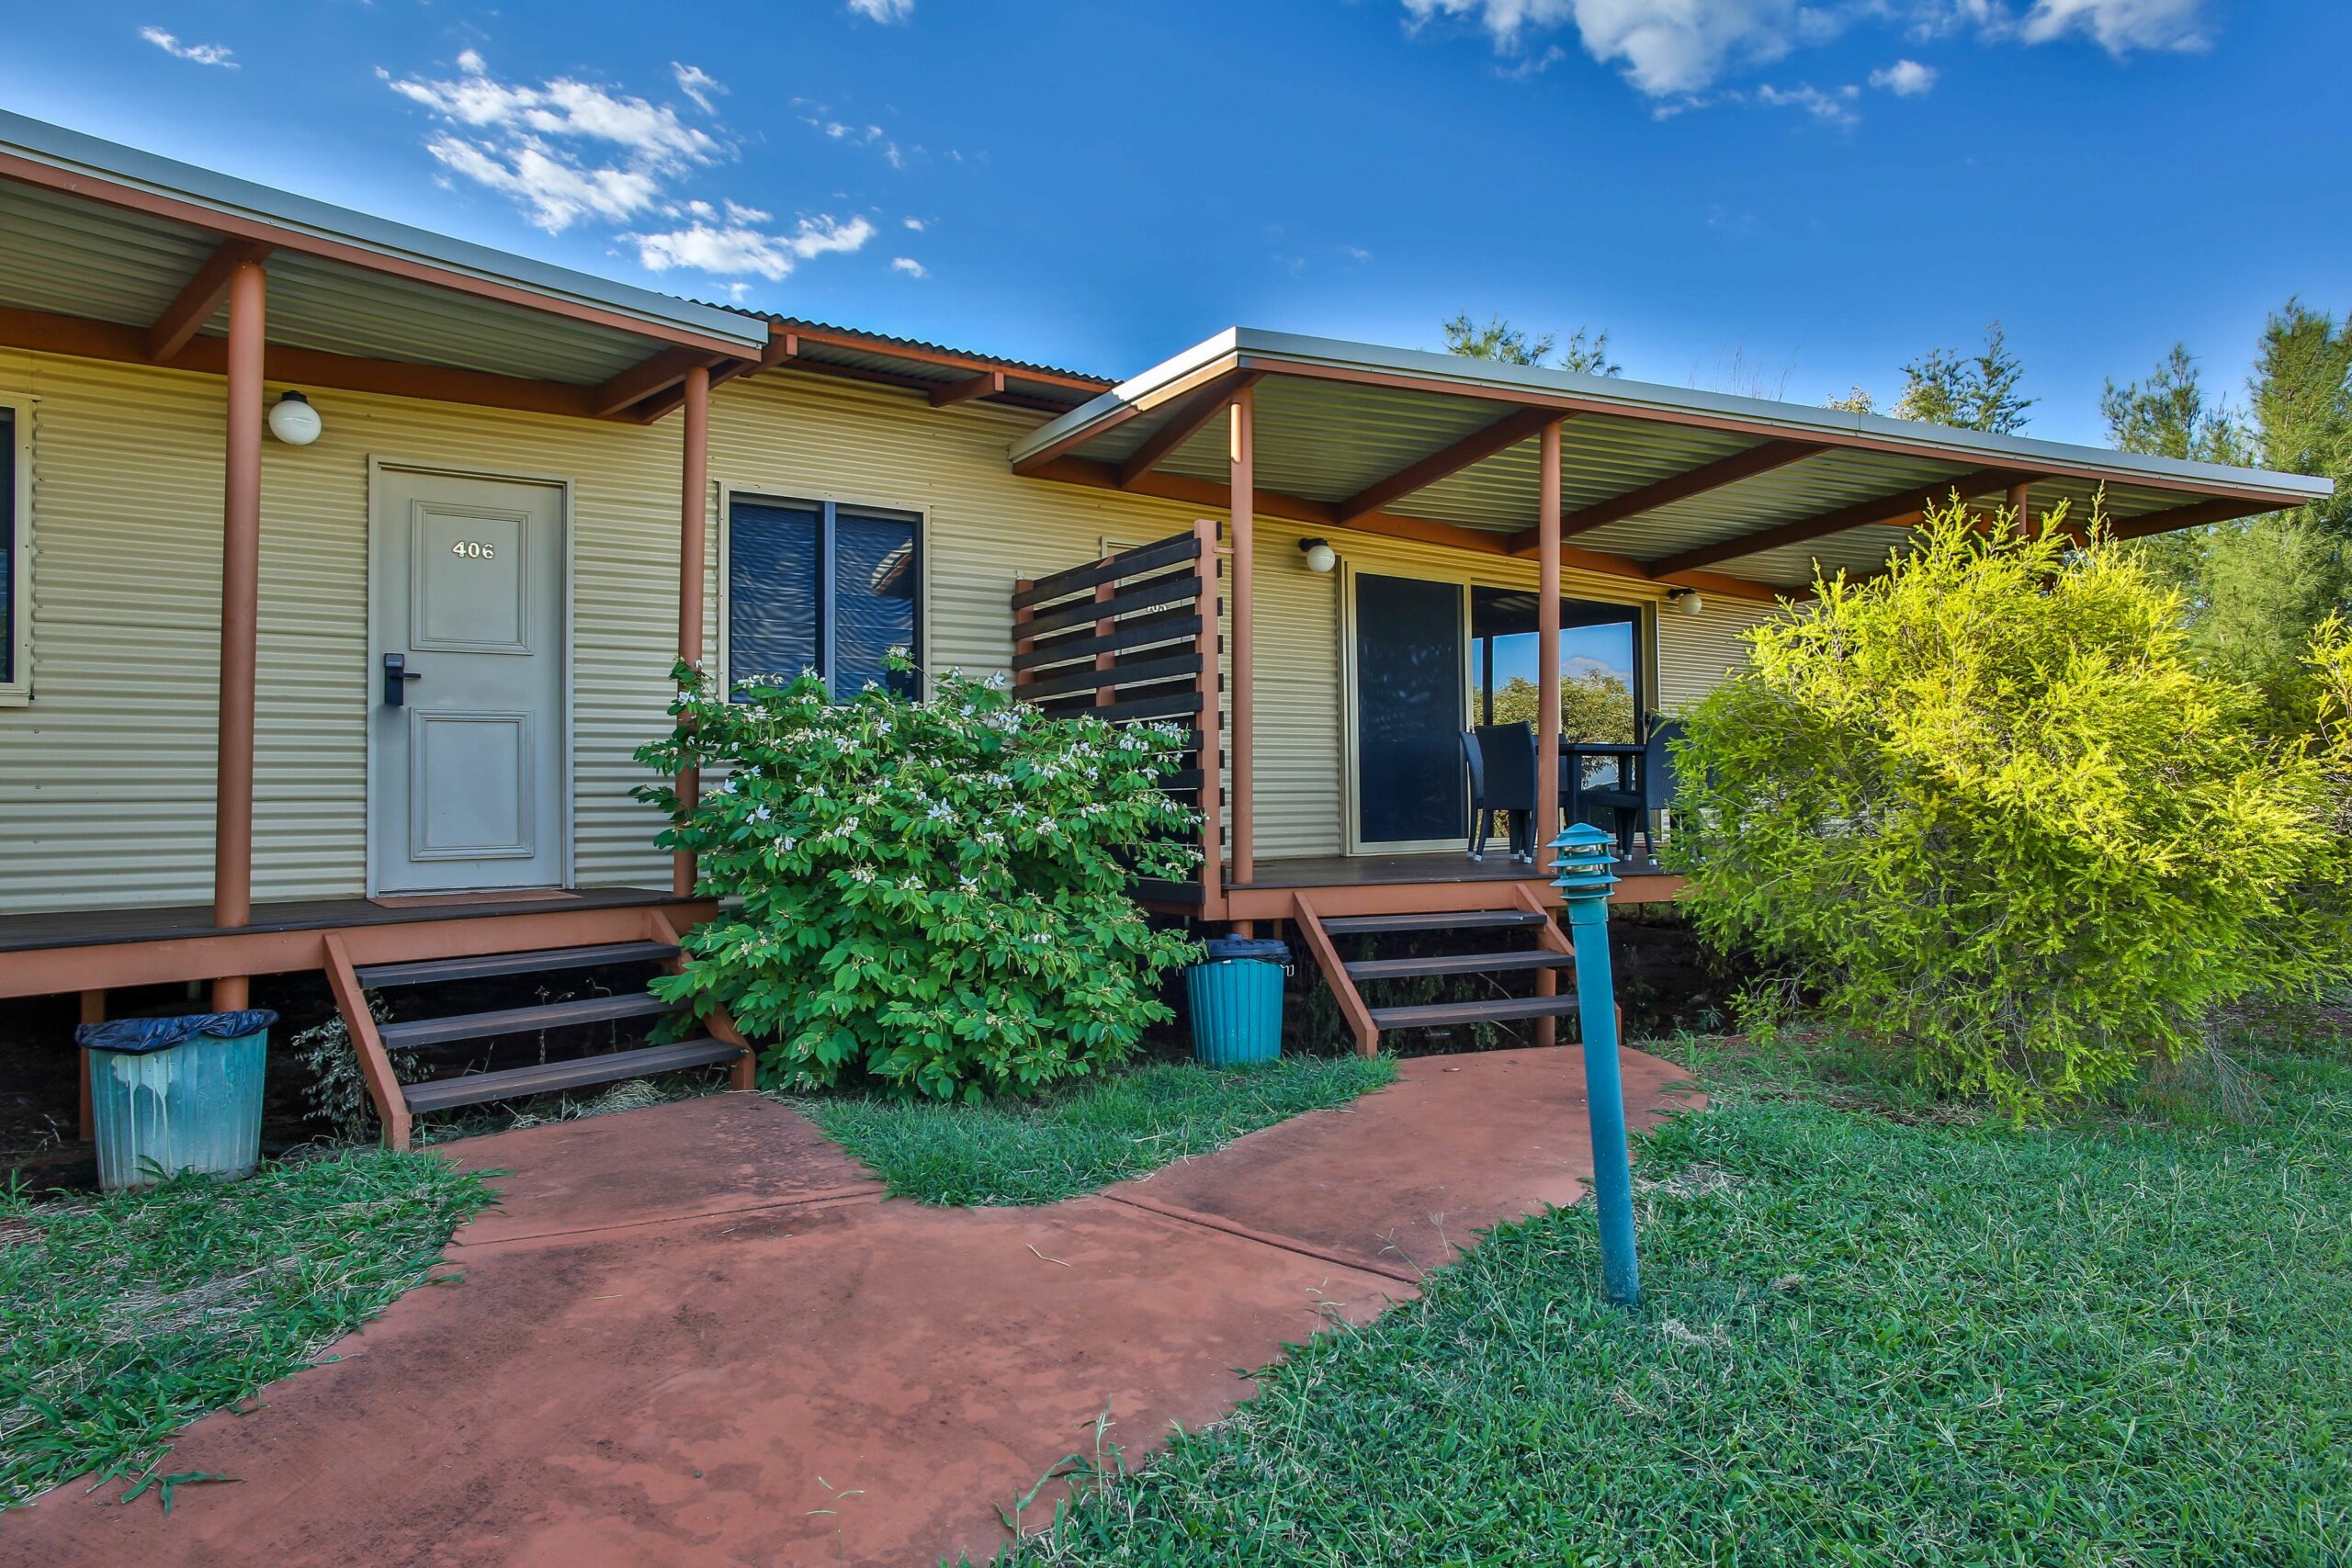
column 17, row 612
column 826, row 504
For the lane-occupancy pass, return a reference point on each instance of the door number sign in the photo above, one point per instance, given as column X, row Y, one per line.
column 474, row 549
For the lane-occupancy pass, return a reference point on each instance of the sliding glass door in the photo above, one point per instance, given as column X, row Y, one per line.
column 1408, row 645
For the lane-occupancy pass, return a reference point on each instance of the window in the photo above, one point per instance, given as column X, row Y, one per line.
column 15, row 555
column 817, row 585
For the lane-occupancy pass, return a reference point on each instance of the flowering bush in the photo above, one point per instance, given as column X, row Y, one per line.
column 934, row 892
column 1988, row 806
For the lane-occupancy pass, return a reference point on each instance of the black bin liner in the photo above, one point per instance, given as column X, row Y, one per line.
column 137, row 1037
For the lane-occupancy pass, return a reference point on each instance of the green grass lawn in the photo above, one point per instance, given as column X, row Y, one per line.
column 1873, row 1333
column 124, row 1317
column 1075, row 1140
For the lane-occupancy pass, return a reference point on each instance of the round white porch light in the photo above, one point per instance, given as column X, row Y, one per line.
column 293, row 421
column 1689, row 601
column 1320, row 556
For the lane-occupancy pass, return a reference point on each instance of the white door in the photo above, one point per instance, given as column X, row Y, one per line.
column 466, row 683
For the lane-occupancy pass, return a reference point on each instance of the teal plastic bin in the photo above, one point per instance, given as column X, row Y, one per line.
column 1237, row 1000
column 174, row 1094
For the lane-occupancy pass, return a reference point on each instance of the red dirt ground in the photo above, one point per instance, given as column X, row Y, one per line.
column 697, row 1335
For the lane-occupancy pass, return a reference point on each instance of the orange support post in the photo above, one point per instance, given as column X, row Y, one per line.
column 1547, row 677
column 233, row 828
column 693, row 530
column 1243, row 501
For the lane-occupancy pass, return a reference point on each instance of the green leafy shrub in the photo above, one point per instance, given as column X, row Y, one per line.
column 1987, row 804
column 932, row 893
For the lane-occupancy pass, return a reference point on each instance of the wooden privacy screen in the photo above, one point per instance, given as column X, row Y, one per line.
column 1133, row 638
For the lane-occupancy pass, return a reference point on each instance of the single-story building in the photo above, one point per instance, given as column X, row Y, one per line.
column 341, row 566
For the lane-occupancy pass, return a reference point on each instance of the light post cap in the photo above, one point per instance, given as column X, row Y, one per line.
column 1586, row 854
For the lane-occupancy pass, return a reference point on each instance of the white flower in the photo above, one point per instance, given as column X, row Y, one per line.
column 763, row 815
column 941, row 812
column 861, row 874
column 998, row 680
column 1048, row 826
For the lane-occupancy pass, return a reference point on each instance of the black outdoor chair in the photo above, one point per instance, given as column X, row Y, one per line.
column 1648, row 786
column 1502, row 778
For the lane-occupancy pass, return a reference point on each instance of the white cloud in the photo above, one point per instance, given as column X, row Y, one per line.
column 1904, row 78
column 196, row 53
column 2120, row 25
column 527, row 142
column 697, row 83
column 1673, row 49
column 914, row 223
column 909, row 266
column 884, row 11
column 1836, row 107
column 734, row 249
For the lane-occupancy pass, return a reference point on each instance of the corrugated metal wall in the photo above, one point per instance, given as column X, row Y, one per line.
column 105, row 781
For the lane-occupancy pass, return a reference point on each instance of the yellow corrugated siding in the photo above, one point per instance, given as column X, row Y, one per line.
column 1695, row 652
column 106, row 780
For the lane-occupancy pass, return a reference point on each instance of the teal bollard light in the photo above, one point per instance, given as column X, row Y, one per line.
column 1585, row 856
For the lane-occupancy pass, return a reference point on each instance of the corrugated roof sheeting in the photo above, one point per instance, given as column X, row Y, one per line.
column 341, row 309
column 75, row 258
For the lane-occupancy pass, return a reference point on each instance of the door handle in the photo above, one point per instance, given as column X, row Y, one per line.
column 397, row 675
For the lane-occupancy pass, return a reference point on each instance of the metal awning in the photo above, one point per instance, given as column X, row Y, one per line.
column 109, row 251
column 1666, row 484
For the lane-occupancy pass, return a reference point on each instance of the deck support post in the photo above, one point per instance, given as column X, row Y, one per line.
column 2020, row 500
column 1243, row 501
column 1547, row 675
column 1585, row 853
column 232, row 828
column 93, row 1011
column 693, row 482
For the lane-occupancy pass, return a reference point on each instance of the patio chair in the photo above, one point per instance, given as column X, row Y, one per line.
column 1501, row 759
column 1651, row 788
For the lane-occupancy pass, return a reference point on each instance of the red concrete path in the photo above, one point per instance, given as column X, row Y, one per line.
column 696, row 1335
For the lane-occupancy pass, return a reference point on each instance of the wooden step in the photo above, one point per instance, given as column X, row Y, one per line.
column 477, row 1088
column 1497, row 1009
column 1444, row 921
column 539, row 961
column 1458, row 963
column 522, row 1020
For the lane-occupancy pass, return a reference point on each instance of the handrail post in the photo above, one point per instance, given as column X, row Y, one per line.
column 1585, row 879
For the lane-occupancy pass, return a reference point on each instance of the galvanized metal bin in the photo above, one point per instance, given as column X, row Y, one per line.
column 174, row 1094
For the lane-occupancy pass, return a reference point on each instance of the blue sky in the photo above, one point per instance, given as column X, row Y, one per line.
column 1785, row 196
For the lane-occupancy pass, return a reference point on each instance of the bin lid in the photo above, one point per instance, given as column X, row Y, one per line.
column 1223, row 949
column 137, row 1036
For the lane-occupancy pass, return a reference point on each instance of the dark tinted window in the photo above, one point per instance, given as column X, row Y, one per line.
column 811, row 585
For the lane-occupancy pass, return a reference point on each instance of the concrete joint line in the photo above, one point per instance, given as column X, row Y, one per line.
column 1264, row 1239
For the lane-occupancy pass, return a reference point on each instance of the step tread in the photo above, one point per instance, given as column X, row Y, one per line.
column 539, row 960
column 522, row 1020
column 1441, row 920
column 1497, row 1009
column 1458, row 963
column 477, row 1088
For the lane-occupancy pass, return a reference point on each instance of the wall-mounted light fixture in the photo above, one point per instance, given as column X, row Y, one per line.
column 293, row 421
column 1689, row 601
column 1320, row 556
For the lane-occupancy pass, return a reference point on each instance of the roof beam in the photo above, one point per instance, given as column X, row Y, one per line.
column 925, row 353
column 1741, row 465
column 1900, row 509
column 2195, row 514
column 987, row 384
column 1186, row 422
column 1500, row 435
column 44, row 332
column 1211, row 494
column 200, row 298
column 782, row 347
column 641, row 381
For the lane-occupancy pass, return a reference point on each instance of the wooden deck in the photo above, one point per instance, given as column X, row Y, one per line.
column 85, row 950
column 1434, row 881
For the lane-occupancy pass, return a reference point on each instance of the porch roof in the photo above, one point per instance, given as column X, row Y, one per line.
column 1667, row 484
column 109, row 251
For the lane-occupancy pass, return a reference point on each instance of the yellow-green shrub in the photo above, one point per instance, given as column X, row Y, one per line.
column 1987, row 805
